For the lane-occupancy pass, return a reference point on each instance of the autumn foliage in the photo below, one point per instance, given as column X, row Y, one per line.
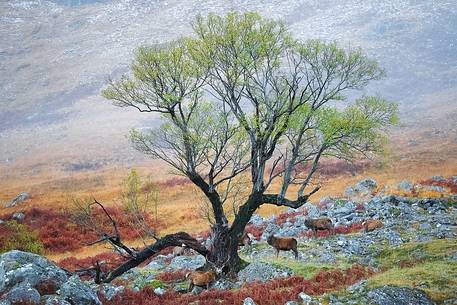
column 273, row 292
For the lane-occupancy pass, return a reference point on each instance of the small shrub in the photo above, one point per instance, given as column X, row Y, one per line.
column 17, row 236
column 47, row 287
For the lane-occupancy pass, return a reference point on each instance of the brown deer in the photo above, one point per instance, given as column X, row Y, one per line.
column 283, row 243
column 200, row 278
column 323, row 223
column 371, row 225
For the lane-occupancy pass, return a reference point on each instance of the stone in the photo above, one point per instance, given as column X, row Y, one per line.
column 76, row 292
column 110, row 291
column 224, row 284
column 21, row 294
column 18, row 199
column 196, row 290
column 19, row 216
column 249, row 301
column 256, row 220
column 159, row 291
column 390, row 295
column 291, row 303
column 306, row 299
column 23, row 267
column 271, row 228
column 438, row 179
column 260, row 271
column 54, row 300
column 405, row 186
column 187, row 262
column 2, row 276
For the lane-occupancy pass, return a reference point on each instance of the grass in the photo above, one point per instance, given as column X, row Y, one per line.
column 440, row 278
column 420, row 264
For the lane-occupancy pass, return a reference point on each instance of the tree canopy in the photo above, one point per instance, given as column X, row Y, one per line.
column 242, row 96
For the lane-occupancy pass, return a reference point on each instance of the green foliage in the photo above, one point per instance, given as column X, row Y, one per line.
column 16, row 236
column 156, row 284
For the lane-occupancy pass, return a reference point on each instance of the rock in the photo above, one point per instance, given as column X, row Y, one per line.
column 2, row 276
column 357, row 286
column 196, row 290
column 249, row 301
column 260, row 271
column 291, row 303
column 18, row 199
column 158, row 263
column 439, row 179
column 19, row 216
column 363, row 187
column 390, row 295
column 111, row 291
column 159, row 291
column 368, row 184
column 28, row 268
column 306, row 299
column 23, row 294
column 54, row 300
column 187, row 262
column 76, row 292
column 224, row 284
column 405, row 186
column 450, row 302
column 270, row 229
column 256, row 220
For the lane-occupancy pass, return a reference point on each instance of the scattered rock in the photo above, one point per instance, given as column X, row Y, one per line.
column 260, row 271
column 306, row 299
column 256, row 220
column 54, row 300
column 18, row 199
column 196, row 290
column 291, row 303
column 187, row 262
column 23, row 294
column 19, row 216
column 28, row 268
column 159, row 291
column 390, row 295
column 405, row 186
column 249, row 301
column 76, row 292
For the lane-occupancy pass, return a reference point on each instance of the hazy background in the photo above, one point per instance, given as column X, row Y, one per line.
column 55, row 56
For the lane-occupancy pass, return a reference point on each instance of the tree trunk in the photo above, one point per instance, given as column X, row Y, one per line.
column 223, row 251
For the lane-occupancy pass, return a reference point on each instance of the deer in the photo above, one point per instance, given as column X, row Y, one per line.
column 204, row 278
column 371, row 225
column 283, row 243
column 323, row 223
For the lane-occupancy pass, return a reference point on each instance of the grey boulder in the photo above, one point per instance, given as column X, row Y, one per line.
column 391, row 295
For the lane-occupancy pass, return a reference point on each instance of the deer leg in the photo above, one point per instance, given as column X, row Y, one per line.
column 277, row 253
column 296, row 253
column 191, row 286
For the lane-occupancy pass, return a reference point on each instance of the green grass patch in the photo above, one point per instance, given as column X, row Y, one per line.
column 417, row 252
column 439, row 278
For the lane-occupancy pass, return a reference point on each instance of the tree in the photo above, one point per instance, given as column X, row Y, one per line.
column 243, row 97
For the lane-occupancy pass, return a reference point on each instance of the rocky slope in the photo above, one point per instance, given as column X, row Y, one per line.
column 405, row 257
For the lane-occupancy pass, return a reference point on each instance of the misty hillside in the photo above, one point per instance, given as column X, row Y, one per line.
column 55, row 56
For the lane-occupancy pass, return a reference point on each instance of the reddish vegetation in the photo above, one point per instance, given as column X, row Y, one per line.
column 59, row 233
column 448, row 183
column 175, row 181
column 175, row 276
column 289, row 216
column 333, row 168
column 353, row 228
column 360, row 207
column 47, row 287
column 108, row 260
column 270, row 293
column 255, row 231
